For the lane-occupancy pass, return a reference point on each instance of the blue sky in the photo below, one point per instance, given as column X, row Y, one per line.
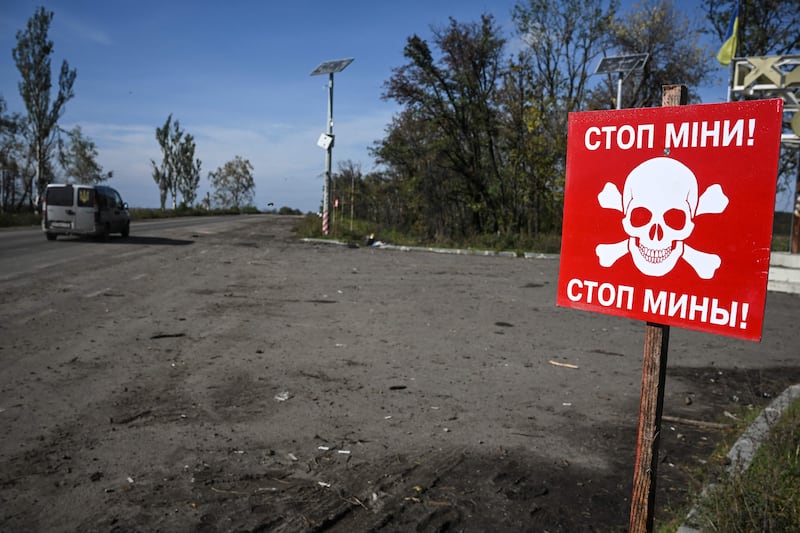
column 236, row 76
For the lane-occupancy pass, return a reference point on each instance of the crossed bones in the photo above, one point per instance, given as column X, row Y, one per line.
column 713, row 200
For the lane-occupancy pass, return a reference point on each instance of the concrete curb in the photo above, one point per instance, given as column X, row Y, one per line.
column 323, row 241
column 451, row 251
column 744, row 449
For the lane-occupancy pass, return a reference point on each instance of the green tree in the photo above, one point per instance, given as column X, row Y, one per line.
column 78, row 157
column 671, row 38
column 550, row 76
column 32, row 58
column 562, row 41
column 8, row 124
column 233, row 183
column 529, row 164
column 411, row 193
column 16, row 162
column 450, row 125
column 480, row 144
column 346, row 184
column 164, row 173
column 178, row 171
column 187, row 170
column 9, row 150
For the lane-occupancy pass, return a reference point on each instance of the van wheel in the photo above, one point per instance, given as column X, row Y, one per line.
column 126, row 230
column 50, row 236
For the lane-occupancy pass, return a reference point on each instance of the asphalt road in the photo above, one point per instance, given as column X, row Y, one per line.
column 221, row 375
column 25, row 250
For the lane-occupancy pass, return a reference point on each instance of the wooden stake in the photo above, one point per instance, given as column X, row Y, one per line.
column 654, row 372
column 794, row 246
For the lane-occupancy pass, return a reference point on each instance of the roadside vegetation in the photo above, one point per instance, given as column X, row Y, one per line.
column 766, row 496
column 357, row 231
column 143, row 213
column 25, row 218
column 782, row 232
column 475, row 155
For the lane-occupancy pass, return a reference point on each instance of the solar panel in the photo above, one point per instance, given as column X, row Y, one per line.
column 621, row 63
column 331, row 67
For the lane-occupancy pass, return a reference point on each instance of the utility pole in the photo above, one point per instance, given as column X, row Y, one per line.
column 326, row 139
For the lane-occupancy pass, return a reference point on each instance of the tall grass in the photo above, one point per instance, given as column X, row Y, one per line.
column 357, row 232
column 30, row 218
column 19, row 219
column 765, row 497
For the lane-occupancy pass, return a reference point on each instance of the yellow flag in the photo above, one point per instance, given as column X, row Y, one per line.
column 728, row 48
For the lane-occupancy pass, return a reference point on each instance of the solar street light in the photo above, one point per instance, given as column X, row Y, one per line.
column 624, row 65
column 326, row 139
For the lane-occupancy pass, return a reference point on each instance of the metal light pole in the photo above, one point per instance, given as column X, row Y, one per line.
column 326, row 139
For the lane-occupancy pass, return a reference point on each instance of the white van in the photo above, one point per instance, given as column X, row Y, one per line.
column 91, row 210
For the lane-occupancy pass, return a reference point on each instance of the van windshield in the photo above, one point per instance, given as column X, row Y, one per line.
column 59, row 196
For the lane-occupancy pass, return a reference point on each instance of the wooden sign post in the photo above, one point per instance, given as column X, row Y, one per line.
column 654, row 372
column 651, row 404
column 668, row 219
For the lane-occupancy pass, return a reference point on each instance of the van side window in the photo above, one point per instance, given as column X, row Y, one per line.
column 85, row 197
column 61, row 196
column 106, row 198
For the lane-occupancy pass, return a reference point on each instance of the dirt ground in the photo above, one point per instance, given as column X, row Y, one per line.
column 246, row 381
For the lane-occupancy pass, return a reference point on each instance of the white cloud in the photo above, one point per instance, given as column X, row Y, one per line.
column 81, row 29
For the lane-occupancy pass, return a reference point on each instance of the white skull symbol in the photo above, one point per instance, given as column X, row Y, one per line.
column 659, row 202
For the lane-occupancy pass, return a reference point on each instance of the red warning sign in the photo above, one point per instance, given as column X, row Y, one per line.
column 668, row 214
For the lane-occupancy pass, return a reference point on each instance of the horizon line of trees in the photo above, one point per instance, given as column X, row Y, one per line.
column 479, row 146
column 179, row 172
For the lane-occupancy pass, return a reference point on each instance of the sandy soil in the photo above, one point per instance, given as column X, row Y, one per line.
column 246, row 381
